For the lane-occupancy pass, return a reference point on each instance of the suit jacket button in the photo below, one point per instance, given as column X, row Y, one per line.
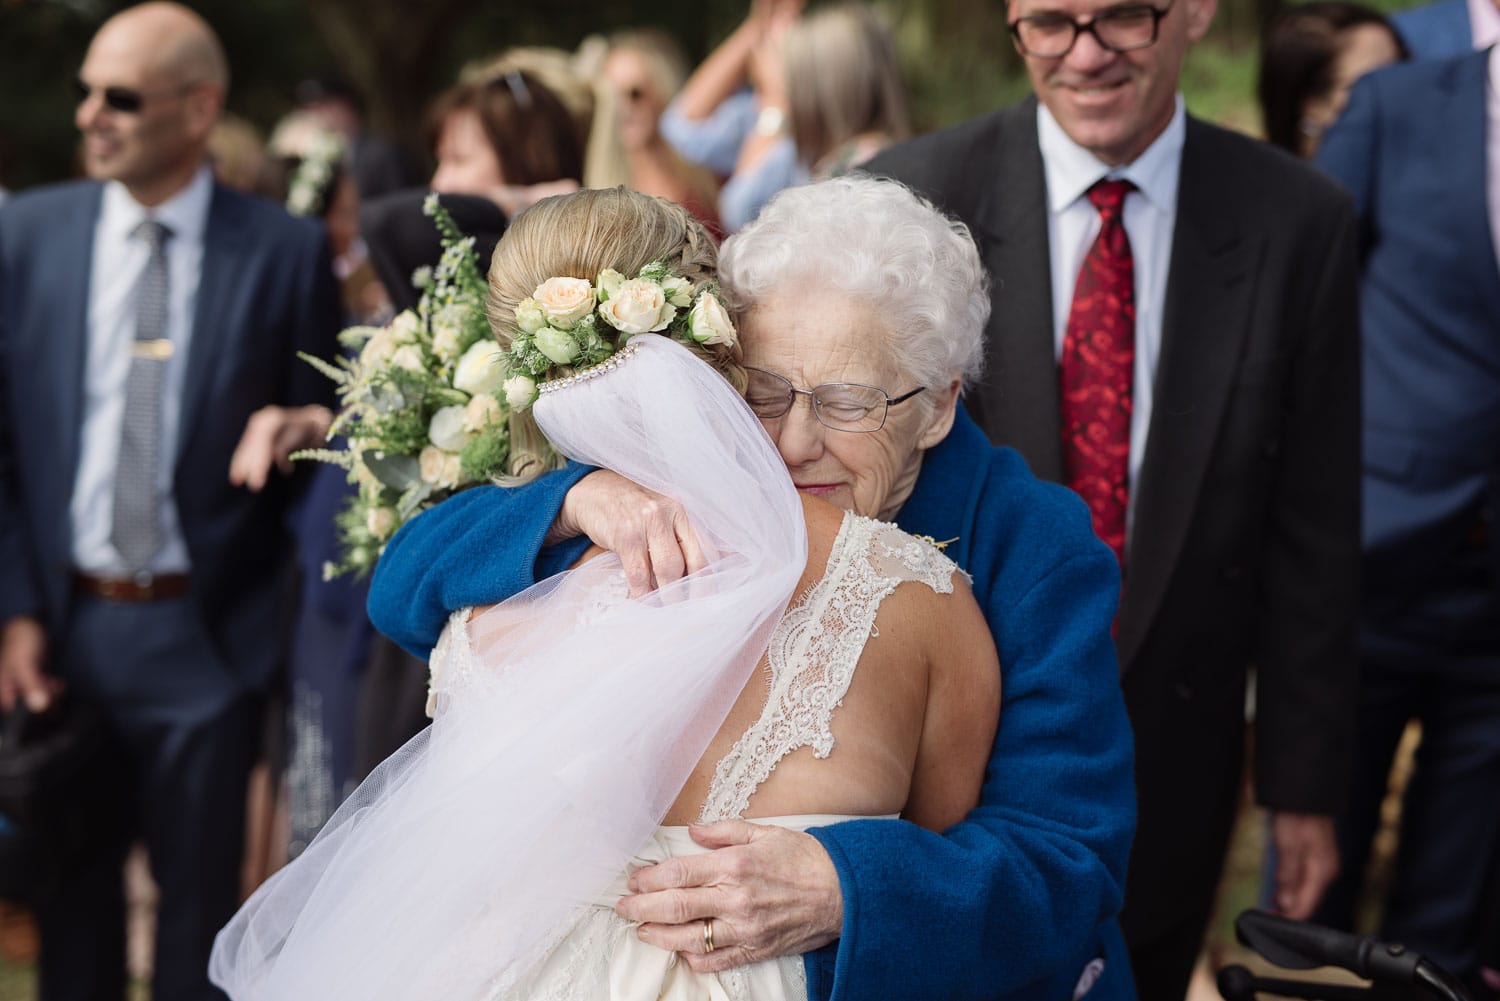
column 1234, row 572
column 1271, row 448
column 1183, row 691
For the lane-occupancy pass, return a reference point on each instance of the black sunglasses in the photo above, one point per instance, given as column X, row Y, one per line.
column 124, row 99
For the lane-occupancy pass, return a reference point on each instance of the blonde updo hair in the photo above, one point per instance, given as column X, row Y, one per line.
column 578, row 236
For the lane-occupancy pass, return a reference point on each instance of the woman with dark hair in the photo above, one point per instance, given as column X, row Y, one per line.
column 502, row 136
column 1311, row 56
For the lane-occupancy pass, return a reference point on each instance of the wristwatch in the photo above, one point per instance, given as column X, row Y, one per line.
column 770, row 121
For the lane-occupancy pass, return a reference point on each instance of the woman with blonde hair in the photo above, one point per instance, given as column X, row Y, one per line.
column 642, row 70
column 573, row 720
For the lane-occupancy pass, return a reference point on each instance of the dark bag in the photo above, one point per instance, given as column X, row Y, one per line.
column 62, row 795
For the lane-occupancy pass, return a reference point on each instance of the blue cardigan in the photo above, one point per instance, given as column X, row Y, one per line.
column 1014, row 901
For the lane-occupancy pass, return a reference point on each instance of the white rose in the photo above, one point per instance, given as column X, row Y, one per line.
column 709, row 323
column 558, row 345
column 481, row 369
column 378, row 350
column 520, row 392
column 639, row 306
column 381, row 521
column 409, row 356
column 529, row 316
column 565, row 300
column 439, row 468
column 405, row 327
column 679, row 291
column 609, row 281
column 482, row 412
column 446, row 430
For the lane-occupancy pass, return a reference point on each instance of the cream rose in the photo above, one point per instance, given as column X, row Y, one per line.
column 446, row 429
column 639, row 306
column 378, row 349
column 409, row 357
column 381, row 521
column 679, row 291
column 405, row 327
column 609, row 281
column 709, row 322
column 557, row 345
column 481, row 369
column 520, row 392
column 565, row 300
column 482, row 412
column 439, row 468
column 529, row 316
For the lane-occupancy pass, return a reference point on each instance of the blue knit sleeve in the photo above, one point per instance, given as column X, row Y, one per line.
column 478, row 547
column 1008, row 898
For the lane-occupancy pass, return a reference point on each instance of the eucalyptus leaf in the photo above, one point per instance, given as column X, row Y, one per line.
column 399, row 472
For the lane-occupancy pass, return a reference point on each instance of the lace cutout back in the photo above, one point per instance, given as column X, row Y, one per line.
column 814, row 652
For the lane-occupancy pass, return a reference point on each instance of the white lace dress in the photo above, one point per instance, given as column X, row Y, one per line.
column 812, row 659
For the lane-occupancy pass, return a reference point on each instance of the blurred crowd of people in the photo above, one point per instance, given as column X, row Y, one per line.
column 235, row 539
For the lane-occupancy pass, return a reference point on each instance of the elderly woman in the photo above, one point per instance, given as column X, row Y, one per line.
column 863, row 326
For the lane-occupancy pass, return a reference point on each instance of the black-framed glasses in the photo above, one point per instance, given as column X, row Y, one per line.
column 125, row 100
column 1119, row 29
column 839, row 406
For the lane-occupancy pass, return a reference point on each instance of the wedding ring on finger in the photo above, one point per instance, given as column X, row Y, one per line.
column 708, row 935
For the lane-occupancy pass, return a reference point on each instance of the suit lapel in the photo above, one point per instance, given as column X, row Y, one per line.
column 212, row 333
column 68, row 354
column 1010, row 222
column 1208, row 299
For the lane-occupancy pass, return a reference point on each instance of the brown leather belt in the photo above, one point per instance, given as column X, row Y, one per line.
column 144, row 587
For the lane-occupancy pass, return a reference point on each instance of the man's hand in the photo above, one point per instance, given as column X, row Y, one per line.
column 271, row 435
column 649, row 532
column 769, row 892
column 23, row 652
column 1307, row 859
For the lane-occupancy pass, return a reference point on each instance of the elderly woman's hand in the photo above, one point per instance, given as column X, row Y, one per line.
column 769, row 892
column 647, row 530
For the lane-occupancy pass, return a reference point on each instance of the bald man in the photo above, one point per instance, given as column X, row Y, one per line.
column 145, row 314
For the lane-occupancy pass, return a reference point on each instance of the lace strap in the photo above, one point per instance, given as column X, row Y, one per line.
column 815, row 650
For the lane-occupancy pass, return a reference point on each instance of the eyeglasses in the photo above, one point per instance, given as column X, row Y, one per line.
column 1119, row 29
column 839, row 406
column 124, row 99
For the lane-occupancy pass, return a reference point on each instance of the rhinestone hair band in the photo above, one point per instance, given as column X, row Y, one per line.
column 607, row 365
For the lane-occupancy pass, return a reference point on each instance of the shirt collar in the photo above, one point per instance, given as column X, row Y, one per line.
column 1071, row 170
column 185, row 213
column 1484, row 23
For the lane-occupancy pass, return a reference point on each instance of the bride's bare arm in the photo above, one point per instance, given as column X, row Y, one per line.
column 963, row 709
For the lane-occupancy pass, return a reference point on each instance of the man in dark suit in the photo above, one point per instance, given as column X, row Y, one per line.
column 144, row 315
column 1448, row 27
column 1418, row 146
column 1174, row 334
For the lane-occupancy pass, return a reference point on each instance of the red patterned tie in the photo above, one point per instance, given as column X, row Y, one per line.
column 1098, row 368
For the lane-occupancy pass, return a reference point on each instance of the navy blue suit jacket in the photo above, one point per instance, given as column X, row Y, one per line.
column 1438, row 30
column 1410, row 148
column 266, row 291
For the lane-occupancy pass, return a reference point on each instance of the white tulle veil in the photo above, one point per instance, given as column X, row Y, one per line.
column 469, row 851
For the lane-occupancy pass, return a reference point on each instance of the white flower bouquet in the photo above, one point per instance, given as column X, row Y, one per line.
column 421, row 414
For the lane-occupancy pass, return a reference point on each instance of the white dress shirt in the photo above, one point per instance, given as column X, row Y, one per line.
column 1484, row 23
column 119, row 260
column 1150, row 213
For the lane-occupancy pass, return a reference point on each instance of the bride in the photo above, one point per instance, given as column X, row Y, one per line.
column 820, row 666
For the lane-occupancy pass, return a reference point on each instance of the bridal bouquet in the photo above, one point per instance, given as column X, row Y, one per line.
column 420, row 410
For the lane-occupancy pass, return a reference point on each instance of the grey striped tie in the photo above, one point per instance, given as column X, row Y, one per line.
column 136, row 529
